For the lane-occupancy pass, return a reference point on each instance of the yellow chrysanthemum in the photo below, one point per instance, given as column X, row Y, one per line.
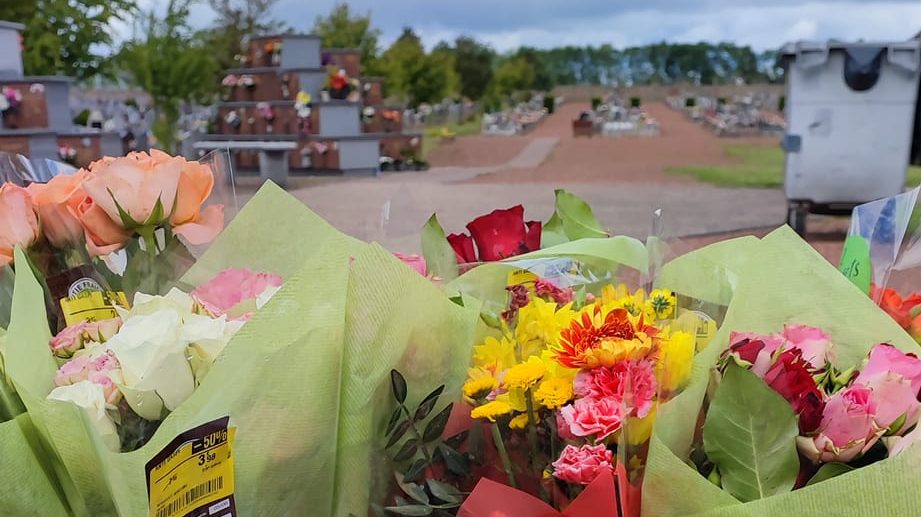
column 480, row 386
column 495, row 354
column 518, row 422
column 526, row 375
column 539, row 324
column 553, row 393
column 491, row 410
column 620, row 297
column 638, row 430
column 676, row 357
column 661, row 304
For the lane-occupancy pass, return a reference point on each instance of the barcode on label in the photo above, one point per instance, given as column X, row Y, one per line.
column 190, row 496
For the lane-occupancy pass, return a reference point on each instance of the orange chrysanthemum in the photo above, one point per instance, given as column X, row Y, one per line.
column 597, row 338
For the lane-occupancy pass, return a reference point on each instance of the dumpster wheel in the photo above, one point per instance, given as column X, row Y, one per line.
column 796, row 217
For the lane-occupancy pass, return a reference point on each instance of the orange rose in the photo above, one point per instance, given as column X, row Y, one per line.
column 135, row 183
column 18, row 221
column 196, row 181
column 103, row 235
column 56, row 203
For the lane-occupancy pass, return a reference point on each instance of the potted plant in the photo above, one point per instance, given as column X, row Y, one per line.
column 67, row 154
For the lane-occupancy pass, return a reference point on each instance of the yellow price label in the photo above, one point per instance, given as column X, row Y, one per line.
column 92, row 306
column 522, row 277
column 193, row 475
column 699, row 325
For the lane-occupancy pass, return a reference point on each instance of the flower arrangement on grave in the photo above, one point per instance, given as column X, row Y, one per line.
column 67, row 154
column 10, row 99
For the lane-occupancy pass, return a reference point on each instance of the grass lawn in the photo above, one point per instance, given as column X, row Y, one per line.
column 758, row 166
column 431, row 138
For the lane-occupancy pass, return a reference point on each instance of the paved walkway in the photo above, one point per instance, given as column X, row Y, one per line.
column 390, row 209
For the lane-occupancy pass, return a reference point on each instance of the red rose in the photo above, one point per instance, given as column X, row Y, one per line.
column 498, row 235
column 789, row 376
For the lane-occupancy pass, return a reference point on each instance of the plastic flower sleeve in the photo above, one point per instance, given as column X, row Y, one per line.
column 781, row 279
column 874, row 247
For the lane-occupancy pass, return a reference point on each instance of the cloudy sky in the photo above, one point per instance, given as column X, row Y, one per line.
column 507, row 24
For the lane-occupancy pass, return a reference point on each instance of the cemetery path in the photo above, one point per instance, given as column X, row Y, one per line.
column 626, row 159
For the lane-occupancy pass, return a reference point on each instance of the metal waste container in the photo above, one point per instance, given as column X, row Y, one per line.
column 850, row 112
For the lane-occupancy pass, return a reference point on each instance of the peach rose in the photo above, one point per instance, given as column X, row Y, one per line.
column 103, row 235
column 56, row 203
column 136, row 182
column 18, row 221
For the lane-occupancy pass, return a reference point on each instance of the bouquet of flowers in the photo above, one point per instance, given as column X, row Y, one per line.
column 805, row 399
column 67, row 154
column 10, row 99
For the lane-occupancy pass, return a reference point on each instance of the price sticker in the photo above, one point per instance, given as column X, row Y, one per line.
column 193, row 475
column 92, row 306
column 855, row 262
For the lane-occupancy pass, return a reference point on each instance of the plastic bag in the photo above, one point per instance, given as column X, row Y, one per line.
column 781, row 279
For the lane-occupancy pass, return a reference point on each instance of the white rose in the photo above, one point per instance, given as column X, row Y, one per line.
column 91, row 397
column 152, row 355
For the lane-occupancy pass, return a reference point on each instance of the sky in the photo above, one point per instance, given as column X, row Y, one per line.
column 508, row 24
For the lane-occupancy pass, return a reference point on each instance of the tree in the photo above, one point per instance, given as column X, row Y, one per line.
column 342, row 29
column 172, row 64
column 235, row 22
column 473, row 63
column 66, row 37
column 514, row 75
column 442, row 58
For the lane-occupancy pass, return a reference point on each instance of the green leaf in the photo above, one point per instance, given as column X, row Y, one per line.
column 414, row 472
column 454, row 461
column 428, row 404
column 750, row 435
column 440, row 258
column 127, row 221
column 578, row 220
column 407, row 451
column 552, row 232
column 398, row 433
column 412, row 509
column 437, row 424
column 416, row 492
column 394, row 418
column 156, row 215
column 398, row 385
column 444, row 491
column 456, row 440
column 828, row 471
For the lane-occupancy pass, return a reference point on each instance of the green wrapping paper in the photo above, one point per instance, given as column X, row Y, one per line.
column 26, row 487
column 781, row 279
column 282, row 367
column 395, row 319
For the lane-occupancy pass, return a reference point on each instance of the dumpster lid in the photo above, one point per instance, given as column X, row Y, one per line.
column 808, row 54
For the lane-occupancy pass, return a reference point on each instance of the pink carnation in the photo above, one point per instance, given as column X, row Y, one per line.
column 231, row 287
column 631, row 383
column 581, row 465
column 593, row 417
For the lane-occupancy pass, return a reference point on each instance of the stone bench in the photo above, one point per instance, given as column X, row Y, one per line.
column 273, row 155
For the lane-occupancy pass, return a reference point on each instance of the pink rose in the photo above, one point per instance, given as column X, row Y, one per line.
column 593, row 417
column 416, row 262
column 894, row 398
column 813, row 342
column 848, row 427
column 581, row 465
column 233, row 286
column 755, row 349
column 97, row 371
column 885, row 358
column 632, row 383
column 69, row 340
column 74, row 337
